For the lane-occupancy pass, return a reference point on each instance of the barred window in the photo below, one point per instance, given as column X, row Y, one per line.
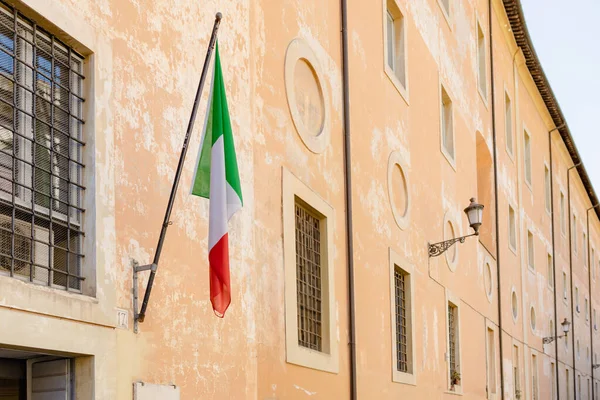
column 401, row 288
column 308, row 278
column 41, row 146
column 453, row 342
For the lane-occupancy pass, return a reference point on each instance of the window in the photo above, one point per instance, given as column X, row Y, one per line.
column 579, row 386
column 595, row 321
column 587, row 312
column 550, row 272
column 534, row 378
column 508, row 123
column 577, row 299
column 547, row 195
column 309, row 285
column 402, row 318
column 574, row 233
column 453, row 355
column 481, row 68
column 589, row 389
column 491, row 361
column 593, row 263
column 516, row 373
column 447, row 126
column 41, row 154
column 527, row 156
column 532, row 320
column 512, row 228
column 577, row 348
column 395, row 46
column 514, row 302
column 564, row 285
column 530, row 254
column 563, row 225
column 584, row 250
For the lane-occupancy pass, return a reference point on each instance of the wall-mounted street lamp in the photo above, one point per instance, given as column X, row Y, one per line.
column 594, row 366
column 565, row 328
column 474, row 214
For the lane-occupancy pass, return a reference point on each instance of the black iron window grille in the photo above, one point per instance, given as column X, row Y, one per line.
column 401, row 321
column 452, row 338
column 41, row 149
column 308, row 279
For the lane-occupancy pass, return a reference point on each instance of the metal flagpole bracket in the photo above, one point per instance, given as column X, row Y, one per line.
column 135, row 290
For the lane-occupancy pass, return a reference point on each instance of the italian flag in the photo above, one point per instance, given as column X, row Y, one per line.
column 217, row 178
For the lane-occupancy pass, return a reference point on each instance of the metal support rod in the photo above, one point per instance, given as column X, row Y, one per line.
column 167, row 222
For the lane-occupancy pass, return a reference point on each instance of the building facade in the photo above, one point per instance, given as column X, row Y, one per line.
column 362, row 129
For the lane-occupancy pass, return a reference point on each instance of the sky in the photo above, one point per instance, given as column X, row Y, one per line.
column 566, row 37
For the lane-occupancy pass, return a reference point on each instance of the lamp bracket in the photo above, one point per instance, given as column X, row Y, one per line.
column 439, row 248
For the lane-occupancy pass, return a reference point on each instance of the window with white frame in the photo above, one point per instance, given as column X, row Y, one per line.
column 41, row 155
column 595, row 321
column 491, row 360
column 454, row 370
column 565, row 286
column 530, row 250
column 547, row 183
column 309, row 281
column 447, row 125
column 577, row 299
column 527, row 155
column 563, row 224
column 587, row 311
column 585, row 261
column 512, row 228
column 481, row 67
column 534, row 378
column 508, row 123
column 574, row 233
column 550, row 272
column 403, row 370
column 395, row 46
column 516, row 372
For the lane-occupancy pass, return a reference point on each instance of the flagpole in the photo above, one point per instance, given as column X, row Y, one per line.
column 163, row 232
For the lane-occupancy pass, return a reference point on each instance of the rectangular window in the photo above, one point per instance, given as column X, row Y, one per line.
column 308, row 278
column 574, row 233
column 579, row 386
column 512, row 228
column 481, row 68
column 577, row 299
column 491, row 357
column 563, row 225
column 309, row 285
column 445, row 6
column 530, row 252
column 395, row 38
column 587, row 311
column 595, row 321
column 550, row 272
column 589, row 389
column 453, row 362
column 584, row 245
column 508, row 123
column 534, row 378
column 402, row 318
column 516, row 373
column 547, row 195
column 447, row 125
column 527, row 156
column 593, row 263
column 41, row 155
column 564, row 285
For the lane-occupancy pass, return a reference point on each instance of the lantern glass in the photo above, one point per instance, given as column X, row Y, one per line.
column 565, row 326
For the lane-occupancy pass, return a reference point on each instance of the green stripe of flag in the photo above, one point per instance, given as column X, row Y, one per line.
column 218, row 124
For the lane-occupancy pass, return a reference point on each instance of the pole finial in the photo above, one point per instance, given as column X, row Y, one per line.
column 218, row 16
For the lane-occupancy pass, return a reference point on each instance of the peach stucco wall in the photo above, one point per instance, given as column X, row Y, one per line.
column 144, row 61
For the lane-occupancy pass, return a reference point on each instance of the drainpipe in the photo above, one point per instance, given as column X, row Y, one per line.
column 348, row 193
column 493, row 103
column 554, row 261
column 590, row 266
column 571, row 272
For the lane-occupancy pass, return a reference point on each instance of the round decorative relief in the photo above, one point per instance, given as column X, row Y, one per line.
column 451, row 231
column 488, row 280
column 398, row 190
column 307, row 97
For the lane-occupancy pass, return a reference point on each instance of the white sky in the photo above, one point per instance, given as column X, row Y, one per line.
column 566, row 36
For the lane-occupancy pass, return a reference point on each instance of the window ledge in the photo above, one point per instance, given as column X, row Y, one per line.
column 512, row 248
column 397, row 84
column 404, row 378
column 451, row 161
column 456, row 392
column 483, row 96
